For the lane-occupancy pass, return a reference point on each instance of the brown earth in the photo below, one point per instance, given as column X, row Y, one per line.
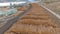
column 35, row 22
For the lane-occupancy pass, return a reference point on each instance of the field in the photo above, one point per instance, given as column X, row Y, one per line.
column 37, row 21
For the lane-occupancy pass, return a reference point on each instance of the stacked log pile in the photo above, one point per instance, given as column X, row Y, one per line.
column 35, row 22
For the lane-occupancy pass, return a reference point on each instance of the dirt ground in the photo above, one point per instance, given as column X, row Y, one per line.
column 37, row 21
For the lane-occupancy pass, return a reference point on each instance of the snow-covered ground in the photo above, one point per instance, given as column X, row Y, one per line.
column 7, row 2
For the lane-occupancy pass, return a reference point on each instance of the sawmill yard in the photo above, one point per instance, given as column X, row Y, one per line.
column 37, row 21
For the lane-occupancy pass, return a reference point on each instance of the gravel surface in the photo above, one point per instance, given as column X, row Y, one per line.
column 54, row 6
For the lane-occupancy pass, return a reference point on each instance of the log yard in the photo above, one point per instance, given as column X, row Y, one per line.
column 29, row 17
